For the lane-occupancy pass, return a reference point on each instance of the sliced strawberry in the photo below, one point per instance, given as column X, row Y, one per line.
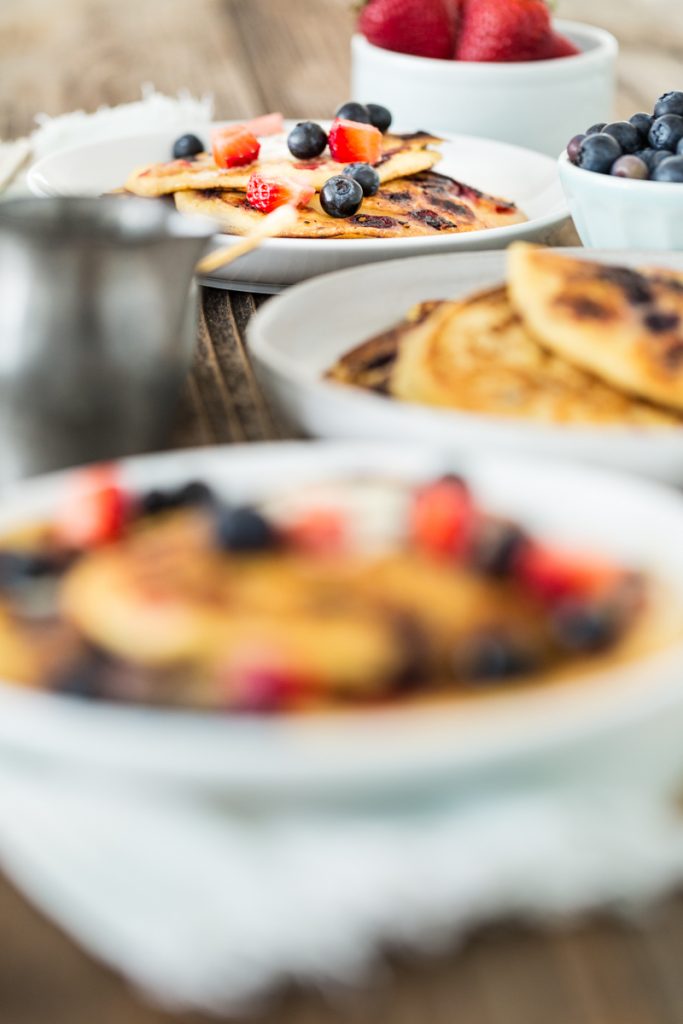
column 95, row 509
column 559, row 46
column 267, row 194
column 555, row 575
column 266, row 124
column 353, row 142
column 235, row 146
column 320, row 531
column 443, row 518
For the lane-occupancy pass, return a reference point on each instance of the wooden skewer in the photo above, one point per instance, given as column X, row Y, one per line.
column 274, row 224
column 13, row 156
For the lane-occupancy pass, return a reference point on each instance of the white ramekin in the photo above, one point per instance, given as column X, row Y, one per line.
column 537, row 104
column 621, row 213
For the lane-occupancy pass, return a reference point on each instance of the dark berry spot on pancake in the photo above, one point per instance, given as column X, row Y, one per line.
column 463, row 212
column 584, row 308
column 636, row 288
column 432, row 219
column 397, row 197
column 661, row 322
column 368, row 221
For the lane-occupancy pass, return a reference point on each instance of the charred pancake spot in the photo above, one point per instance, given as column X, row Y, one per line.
column 397, row 197
column 673, row 283
column 584, row 308
column 463, row 212
column 381, row 360
column 661, row 322
column 635, row 286
column 368, row 221
column 432, row 219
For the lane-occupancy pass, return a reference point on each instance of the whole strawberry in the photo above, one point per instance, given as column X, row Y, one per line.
column 424, row 28
column 504, row 30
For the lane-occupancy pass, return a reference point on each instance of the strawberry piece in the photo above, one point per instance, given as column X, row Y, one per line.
column 560, row 46
column 504, row 30
column 95, row 510
column 320, row 531
column 352, row 142
column 234, row 147
column 443, row 518
column 424, row 28
column 266, row 124
column 555, row 575
column 267, row 194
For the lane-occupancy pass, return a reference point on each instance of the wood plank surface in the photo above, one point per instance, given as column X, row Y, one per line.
column 292, row 55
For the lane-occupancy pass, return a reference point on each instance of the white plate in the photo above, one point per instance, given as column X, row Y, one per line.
column 528, row 178
column 366, row 751
column 294, row 339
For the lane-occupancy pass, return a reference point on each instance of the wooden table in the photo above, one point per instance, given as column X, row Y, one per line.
column 292, row 55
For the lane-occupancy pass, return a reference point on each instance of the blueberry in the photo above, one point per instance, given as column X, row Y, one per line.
column 245, row 529
column 307, row 140
column 679, row 148
column 589, row 627
column 595, row 128
column 380, row 117
column 187, row 145
column 573, row 147
column 492, row 656
column 18, row 566
column 642, row 123
column 630, row 167
column 354, row 112
column 194, row 493
column 669, row 103
column 626, row 134
column 647, row 155
column 341, row 196
column 669, row 170
column 666, row 132
column 366, row 176
column 598, row 153
column 83, row 677
column 496, row 546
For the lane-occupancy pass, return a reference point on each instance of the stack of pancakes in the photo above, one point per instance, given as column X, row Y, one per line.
column 566, row 341
column 412, row 200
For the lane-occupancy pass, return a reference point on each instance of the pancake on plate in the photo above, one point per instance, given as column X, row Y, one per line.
column 424, row 204
column 402, row 155
column 481, row 355
column 359, row 590
column 624, row 325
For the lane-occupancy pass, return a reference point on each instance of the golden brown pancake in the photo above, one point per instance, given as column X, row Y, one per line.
column 624, row 325
column 425, row 204
column 478, row 356
column 402, row 155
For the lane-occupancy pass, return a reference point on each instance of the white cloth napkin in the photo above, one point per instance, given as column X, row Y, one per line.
column 206, row 908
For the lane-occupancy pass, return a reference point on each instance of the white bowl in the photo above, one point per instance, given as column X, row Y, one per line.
column 538, row 104
column 622, row 213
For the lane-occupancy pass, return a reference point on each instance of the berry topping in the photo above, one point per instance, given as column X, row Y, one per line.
column 354, row 112
column 262, row 688
column 496, row 546
column 443, row 518
column 560, row 46
column 187, row 145
column 573, row 147
column 504, row 30
column 319, row 531
column 553, row 575
column 234, row 147
column 424, row 28
column 630, row 167
column 194, row 493
column 341, row 196
column 666, row 132
column 244, row 529
column 598, row 153
column 626, row 134
column 669, row 170
column 266, row 194
column 380, row 117
column 493, row 655
column 366, row 176
column 669, row 103
column 95, row 510
column 595, row 128
column 307, row 140
column 588, row 626
column 642, row 123
column 351, row 142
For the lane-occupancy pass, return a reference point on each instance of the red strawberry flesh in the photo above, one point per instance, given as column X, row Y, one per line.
column 351, row 142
